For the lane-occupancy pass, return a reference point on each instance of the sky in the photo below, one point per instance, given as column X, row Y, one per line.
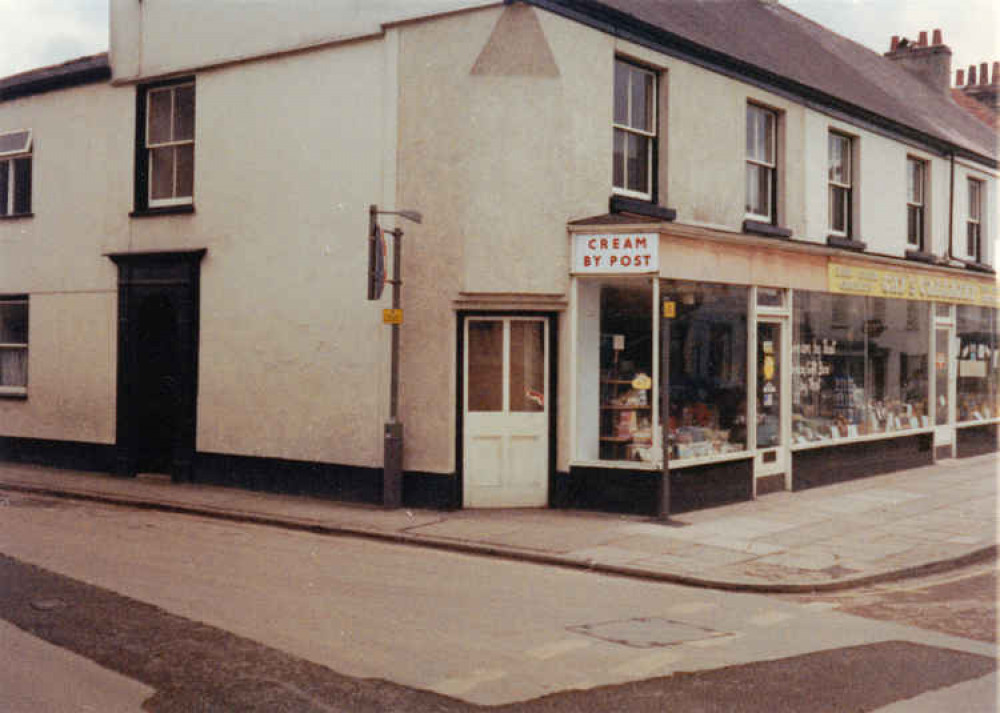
column 42, row 32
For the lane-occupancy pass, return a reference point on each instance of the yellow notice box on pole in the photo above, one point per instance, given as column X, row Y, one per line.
column 392, row 316
column 670, row 310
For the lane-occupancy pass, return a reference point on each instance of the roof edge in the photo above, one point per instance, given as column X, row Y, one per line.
column 622, row 25
column 75, row 72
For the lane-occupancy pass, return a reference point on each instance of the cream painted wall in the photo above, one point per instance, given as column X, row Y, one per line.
column 497, row 160
column 81, row 164
column 71, row 370
column 289, row 156
column 153, row 37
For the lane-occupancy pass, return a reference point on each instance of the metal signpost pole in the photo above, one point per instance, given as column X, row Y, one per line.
column 392, row 453
column 392, row 478
column 667, row 312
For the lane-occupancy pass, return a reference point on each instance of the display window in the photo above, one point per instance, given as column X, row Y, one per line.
column 708, row 369
column 860, row 366
column 978, row 364
column 626, row 372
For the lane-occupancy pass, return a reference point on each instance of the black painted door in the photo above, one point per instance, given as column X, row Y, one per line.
column 158, row 306
column 157, row 382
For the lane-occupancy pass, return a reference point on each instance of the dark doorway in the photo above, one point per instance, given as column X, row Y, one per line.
column 158, row 305
column 157, row 380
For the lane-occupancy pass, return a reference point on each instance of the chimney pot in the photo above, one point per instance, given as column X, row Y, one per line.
column 996, row 72
column 922, row 42
column 972, row 75
column 894, row 45
column 984, row 73
column 937, row 38
column 959, row 77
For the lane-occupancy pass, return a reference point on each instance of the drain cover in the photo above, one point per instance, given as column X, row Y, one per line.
column 647, row 632
column 46, row 604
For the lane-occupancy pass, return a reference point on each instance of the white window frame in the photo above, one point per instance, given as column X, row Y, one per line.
column 845, row 186
column 769, row 162
column 15, row 390
column 7, row 162
column 629, row 129
column 150, row 146
column 916, row 202
column 974, row 218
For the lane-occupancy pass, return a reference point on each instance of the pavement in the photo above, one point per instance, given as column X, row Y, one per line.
column 840, row 536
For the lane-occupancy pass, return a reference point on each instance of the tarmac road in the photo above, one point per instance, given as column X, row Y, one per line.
column 225, row 616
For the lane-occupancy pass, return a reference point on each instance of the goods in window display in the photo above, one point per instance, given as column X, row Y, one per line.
column 978, row 361
column 626, row 417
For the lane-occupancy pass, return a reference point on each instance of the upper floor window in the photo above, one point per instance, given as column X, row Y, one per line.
column 974, row 221
column 916, row 188
column 634, row 130
column 15, row 173
column 761, row 161
column 165, row 164
column 840, row 177
column 13, row 345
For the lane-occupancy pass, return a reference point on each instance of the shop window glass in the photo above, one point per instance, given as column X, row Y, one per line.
column 626, row 369
column 770, row 297
column 860, row 366
column 708, row 369
column 978, row 363
column 897, row 365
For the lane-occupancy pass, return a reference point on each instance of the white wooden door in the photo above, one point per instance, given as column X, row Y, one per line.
column 506, row 412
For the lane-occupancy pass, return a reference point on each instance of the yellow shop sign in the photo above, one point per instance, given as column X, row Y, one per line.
column 873, row 282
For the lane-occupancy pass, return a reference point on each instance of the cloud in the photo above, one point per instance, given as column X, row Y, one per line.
column 42, row 32
column 969, row 27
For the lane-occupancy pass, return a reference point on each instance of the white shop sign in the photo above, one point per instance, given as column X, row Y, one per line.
column 616, row 253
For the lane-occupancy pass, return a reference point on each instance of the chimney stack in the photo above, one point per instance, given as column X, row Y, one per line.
column 930, row 64
column 959, row 77
column 980, row 85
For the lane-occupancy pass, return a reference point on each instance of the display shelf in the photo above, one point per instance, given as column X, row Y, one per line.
column 626, row 419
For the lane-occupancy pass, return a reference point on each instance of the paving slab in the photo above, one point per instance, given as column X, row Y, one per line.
column 830, row 537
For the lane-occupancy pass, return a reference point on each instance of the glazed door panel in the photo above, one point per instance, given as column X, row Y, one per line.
column 506, row 417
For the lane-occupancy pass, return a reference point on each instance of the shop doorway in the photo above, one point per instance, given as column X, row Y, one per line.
column 771, row 398
column 506, row 407
column 158, row 305
column 945, row 383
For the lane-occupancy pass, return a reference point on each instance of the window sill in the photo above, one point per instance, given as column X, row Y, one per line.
column 980, row 267
column 622, row 204
column 14, row 393
column 921, row 256
column 846, row 440
column 17, row 216
column 978, row 422
column 842, row 241
column 162, row 210
column 768, row 230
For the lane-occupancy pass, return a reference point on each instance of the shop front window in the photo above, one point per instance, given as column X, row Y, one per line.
column 626, row 373
column 860, row 366
column 708, row 369
column 978, row 364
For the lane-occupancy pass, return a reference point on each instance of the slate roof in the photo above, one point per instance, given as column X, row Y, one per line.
column 770, row 44
column 84, row 70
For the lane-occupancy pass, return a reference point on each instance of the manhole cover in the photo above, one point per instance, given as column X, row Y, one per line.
column 647, row 632
column 46, row 604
